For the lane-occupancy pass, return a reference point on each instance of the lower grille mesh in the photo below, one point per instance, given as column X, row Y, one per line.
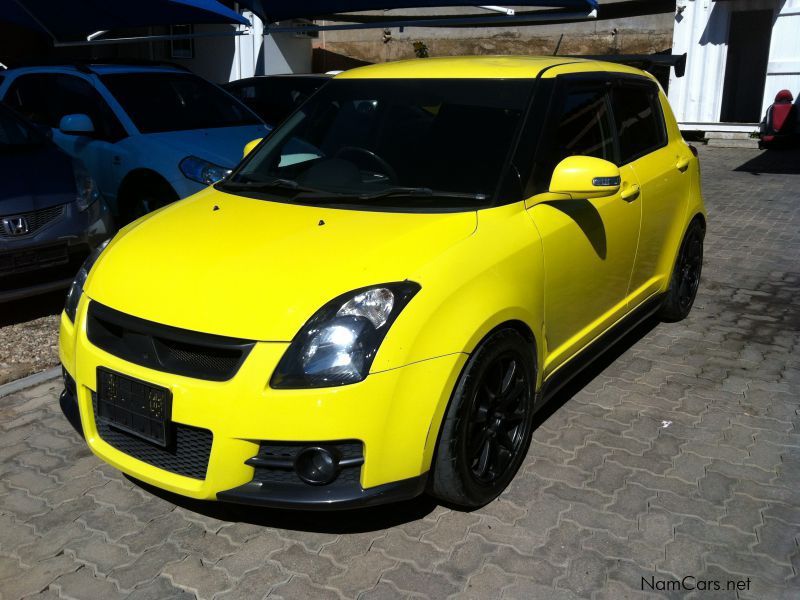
column 188, row 456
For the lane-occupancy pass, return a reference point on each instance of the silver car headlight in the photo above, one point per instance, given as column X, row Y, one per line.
column 76, row 289
column 338, row 344
column 88, row 192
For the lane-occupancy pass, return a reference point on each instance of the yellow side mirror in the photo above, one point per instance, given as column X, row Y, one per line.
column 585, row 177
column 248, row 148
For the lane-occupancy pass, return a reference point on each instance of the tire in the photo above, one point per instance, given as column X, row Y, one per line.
column 144, row 198
column 488, row 426
column 685, row 276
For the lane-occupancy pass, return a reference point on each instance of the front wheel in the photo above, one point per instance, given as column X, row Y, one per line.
column 686, row 275
column 488, row 426
column 145, row 198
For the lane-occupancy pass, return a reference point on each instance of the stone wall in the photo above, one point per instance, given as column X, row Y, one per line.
column 636, row 35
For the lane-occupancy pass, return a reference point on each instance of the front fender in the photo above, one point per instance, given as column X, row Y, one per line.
column 490, row 278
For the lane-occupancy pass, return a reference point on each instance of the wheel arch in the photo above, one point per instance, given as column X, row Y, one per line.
column 435, row 429
column 137, row 179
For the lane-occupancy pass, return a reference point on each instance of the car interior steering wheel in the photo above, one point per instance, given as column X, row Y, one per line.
column 385, row 167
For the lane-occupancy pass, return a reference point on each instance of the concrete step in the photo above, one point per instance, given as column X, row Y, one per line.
column 727, row 135
column 733, row 143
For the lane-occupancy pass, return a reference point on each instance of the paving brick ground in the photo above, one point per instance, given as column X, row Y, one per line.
column 681, row 457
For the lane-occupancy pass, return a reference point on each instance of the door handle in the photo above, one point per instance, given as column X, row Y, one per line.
column 682, row 165
column 631, row 193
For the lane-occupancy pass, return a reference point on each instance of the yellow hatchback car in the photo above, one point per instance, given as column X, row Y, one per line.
column 381, row 295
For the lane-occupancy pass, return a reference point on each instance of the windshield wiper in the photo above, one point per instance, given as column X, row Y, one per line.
column 278, row 182
column 421, row 191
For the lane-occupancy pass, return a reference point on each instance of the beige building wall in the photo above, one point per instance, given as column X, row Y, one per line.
column 636, row 35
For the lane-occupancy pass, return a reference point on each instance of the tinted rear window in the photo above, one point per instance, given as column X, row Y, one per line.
column 158, row 102
column 639, row 120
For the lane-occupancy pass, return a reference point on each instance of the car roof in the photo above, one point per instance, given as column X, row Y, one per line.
column 482, row 67
column 280, row 76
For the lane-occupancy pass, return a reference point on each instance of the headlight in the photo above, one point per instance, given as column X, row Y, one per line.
column 88, row 192
column 76, row 289
column 338, row 344
column 202, row 171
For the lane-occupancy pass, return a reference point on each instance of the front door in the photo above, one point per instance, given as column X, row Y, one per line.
column 589, row 244
column 47, row 97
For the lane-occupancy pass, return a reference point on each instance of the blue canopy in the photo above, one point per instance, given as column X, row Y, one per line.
column 71, row 19
column 279, row 10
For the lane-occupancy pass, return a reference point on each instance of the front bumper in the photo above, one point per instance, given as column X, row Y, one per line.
column 394, row 417
column 48, row 259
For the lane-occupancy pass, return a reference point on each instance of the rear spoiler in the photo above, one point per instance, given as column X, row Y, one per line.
column 645, row 62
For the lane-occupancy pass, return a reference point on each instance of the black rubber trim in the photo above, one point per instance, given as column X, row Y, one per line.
column 307, row 497
column 147, row 343
column 68, row 401
column 279, row 462
column 596, row 349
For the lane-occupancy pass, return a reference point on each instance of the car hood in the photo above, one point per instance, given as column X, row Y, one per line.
column 256, row 269
column 221, row 145
column 35, row 177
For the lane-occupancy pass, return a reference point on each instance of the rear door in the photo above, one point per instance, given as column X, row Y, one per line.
column 661, row 167
column 589, row 244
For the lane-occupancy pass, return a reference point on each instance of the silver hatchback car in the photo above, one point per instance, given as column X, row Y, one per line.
column 51, row 216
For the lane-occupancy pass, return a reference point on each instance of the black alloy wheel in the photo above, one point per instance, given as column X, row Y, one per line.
column 488, row 425
column 691, row 266
column 686, row 275
column 496, row 421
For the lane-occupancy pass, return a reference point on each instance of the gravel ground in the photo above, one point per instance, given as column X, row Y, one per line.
column 29, row 336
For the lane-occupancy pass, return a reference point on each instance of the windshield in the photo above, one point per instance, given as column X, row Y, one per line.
column 158, row 102
column 14, row 133
column 436, row 143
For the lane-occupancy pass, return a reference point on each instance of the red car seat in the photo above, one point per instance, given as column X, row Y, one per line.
column 780, row 118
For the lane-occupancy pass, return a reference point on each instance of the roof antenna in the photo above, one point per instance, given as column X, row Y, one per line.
column 558, row 45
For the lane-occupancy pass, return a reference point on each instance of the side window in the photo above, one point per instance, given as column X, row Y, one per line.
column 47, row 97
column 28, row 96
column 584, row 124
column 579, row 125
column 639, row 120
column 75, row 95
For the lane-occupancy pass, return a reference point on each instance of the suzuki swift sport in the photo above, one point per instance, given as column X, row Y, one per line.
column 378, row 299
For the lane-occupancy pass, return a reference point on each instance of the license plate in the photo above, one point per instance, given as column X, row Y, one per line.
column 134, row 406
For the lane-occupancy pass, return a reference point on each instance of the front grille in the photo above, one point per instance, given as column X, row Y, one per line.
column 282, row 455
column 33, row 259
column 55, row 263
column 36, row 219
column 165, row 348
column 188, row 455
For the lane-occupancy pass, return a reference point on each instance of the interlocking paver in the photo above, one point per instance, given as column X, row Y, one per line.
column 682, row 457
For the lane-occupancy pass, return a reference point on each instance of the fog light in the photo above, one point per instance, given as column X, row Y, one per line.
column 316, row 466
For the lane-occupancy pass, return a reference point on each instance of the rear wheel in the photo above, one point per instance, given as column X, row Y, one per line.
column 686, row 275
column 488, row 426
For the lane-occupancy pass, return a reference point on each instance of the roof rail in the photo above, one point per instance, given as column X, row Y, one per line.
column 84, row 65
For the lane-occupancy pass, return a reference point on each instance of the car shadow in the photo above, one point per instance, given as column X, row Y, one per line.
column 28, row 309
column 390, row 515
column 773, row 162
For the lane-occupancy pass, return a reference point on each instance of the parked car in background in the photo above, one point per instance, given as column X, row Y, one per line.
column 149, row 134
column 274, row 97
column 383, row 310
column 51, row 216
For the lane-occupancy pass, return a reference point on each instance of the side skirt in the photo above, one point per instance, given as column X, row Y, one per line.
column 597, row 348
